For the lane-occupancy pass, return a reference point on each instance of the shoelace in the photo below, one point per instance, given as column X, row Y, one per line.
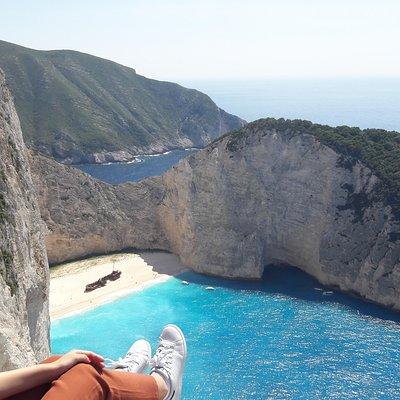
column 127, row 363
column 163, row 359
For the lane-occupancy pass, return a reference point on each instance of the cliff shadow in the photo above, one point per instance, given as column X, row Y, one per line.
column 292, row 282
column 163, row 262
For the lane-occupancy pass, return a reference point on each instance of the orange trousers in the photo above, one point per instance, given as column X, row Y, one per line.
column 84, row 382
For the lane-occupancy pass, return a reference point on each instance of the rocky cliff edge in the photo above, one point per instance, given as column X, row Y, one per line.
column 24, row 316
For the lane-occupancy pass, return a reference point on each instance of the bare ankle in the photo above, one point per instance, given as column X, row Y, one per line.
column 161, row 385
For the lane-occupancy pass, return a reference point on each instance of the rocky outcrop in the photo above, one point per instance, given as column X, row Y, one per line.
column 262, row 195
column 85, row 216
column 266, row 197
column 24, row 317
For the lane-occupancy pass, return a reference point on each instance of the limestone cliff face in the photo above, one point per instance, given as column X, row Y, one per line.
column 274, row 197
column 258, row 197
column 85, row 216
column 24, row 318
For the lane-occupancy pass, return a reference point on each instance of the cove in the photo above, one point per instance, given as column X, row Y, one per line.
column 279, row 338
column 141, row 167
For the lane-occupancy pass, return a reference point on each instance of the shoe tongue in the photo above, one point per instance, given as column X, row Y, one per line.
column 166, row 344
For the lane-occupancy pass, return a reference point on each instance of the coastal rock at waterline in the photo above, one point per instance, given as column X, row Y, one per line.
column 24, row 316
column 262, row 195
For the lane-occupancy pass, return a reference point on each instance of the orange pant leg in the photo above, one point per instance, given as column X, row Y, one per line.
column 84, row 382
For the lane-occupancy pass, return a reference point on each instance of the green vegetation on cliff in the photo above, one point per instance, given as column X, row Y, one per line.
column 376, row 148
column 73, row 104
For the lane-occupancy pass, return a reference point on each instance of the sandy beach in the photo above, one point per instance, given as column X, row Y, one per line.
column 138, row 270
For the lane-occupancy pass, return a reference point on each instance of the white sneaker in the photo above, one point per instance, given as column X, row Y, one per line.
column 169, row 360
column 136, row 360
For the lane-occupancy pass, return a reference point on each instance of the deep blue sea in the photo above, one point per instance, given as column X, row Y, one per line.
column 367, row 103
column 363, row 102
column 142, row 167
column 276, row 339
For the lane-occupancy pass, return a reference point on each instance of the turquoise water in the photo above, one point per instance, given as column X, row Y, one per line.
column 275, row 339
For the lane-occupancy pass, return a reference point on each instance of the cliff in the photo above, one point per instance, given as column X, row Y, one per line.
column 24, row 318
column 78, row 108
column 274, row 192
column 85, row 216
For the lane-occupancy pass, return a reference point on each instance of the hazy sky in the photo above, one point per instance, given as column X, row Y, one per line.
column 186, row 39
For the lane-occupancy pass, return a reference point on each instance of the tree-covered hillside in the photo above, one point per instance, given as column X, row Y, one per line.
column 72, row 105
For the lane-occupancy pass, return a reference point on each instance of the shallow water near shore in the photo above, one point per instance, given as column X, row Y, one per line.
column 279, row 338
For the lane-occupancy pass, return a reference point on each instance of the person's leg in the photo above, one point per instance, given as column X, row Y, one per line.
column 84, row 382
column 126, row 385
column 38, row 392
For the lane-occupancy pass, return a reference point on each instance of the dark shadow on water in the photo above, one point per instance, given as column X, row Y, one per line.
column 292, row 282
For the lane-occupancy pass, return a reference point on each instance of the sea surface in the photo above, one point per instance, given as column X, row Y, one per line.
column 280, row 338
column 367, row 103
column 141, row 167
column 362, row 102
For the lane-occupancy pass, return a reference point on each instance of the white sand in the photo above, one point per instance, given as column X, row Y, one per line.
column 68, row 281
